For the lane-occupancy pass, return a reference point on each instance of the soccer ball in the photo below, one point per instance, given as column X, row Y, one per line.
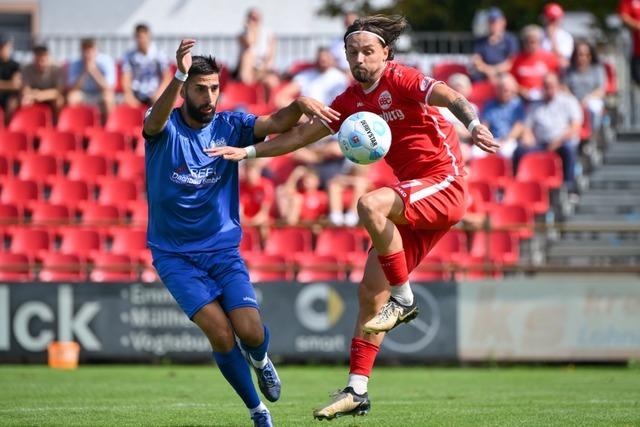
column 364, row 138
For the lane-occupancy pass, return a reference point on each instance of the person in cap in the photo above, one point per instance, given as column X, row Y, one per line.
column 492, row 54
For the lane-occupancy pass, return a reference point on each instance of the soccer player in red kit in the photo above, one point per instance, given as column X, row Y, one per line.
column 407, row 219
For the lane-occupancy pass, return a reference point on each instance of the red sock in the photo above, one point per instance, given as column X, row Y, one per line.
column 363, row 354
column 395, row 268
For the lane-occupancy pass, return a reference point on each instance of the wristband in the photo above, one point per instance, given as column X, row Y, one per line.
column 181, row 76
column 251, row 152
column 472, row 125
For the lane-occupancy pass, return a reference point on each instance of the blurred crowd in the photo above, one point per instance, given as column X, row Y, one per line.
column 536, row 91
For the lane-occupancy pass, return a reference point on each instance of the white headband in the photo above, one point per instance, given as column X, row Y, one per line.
column 366, row 32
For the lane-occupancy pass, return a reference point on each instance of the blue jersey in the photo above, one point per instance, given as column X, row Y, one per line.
column 193, row 199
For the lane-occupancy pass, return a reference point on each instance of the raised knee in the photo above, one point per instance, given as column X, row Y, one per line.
column 368, row 204
column 253, row 337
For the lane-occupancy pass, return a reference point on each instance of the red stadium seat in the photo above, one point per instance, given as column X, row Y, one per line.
column 80, row 241
column 527, row 193
column 98, row 215
column 130, row 166
column 482, row 196
column 288, row 242
column 267, row 268
column 107, row 144
column 250, row 240
column 68, row 191
column 13, row 143
column 280, row 168
column 87, row 168
column 138, row 212
column 611, row 86
column 237, row 94
column 481, row 92
column 30, row 241
column 430, row 269
column 542, row 166
column 496, row 246
column 444, row 70
column 320, row 268
column 586, row 130
column 30, row 120
column 38, row 167
column 78, row 119
column 57, row 143
column 15, row 267
column 340, row 242
column 124, row 119
column 57, row 267
column 108, row 267
column 129, row 241
column 44, row 213
column 19, row 192
column 9, row 214
column 114, row 191
column 451, row 247
column 516, row 218
column 4, row 167
column 494, row 169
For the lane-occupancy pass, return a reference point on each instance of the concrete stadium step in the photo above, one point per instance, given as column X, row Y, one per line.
column 592, row 253
column 609, row 202
column 616, row 177
column 599, row 221
column 631, row 137
column 622, row 158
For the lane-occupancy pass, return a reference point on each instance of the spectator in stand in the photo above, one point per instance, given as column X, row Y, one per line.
column 10, row 78
column 586, row 79
column 556, row 39
column 91, row 78
column 145, row 70
column 629, row 11
column 256, row 194
column 352, row 176
column 257, row 49
column 493, row 53
column 532, row 64
column 462, row 84
column 337, row 45
column 323, row 82
column 504, row 116
column 554, row 125
column 300, row 197
column 43, row 81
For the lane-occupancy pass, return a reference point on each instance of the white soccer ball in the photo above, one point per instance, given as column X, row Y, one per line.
column 364, row 138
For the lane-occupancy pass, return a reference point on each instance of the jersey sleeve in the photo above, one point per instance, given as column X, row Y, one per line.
column 414, row 85
column 168, row 130
column 340, row 105
column 244, row 124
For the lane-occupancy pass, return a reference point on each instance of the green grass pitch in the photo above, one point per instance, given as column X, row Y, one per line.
column 420, row 396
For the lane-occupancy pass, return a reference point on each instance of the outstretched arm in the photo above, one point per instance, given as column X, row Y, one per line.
column 287, row 117
column 285, row 143
column 161, row 109
column 444, row 96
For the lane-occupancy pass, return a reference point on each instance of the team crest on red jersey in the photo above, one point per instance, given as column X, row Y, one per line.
column 384, row 100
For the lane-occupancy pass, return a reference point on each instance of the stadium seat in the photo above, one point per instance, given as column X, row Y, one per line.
column 268, row 268
column 238, row 94
column 289, row 242
column 482, row 196
column 451, row 248
column 43, row 213
column 78, row 118
column 129, row 241
column 495, row 246
column 31, row 119
column 250, row 242
column 319, row 268
column 130, row 166
column 57, row 267
column 137, row 212
column 19, row 192
column 15, row 267
column 357, row 264
column 543, row 166
column 481, row 92
column 516, row 218
column 30, row 241
column 115, row 191
column 314, row 206
column 68, row 191
column 432, row 268
column 82, row 242
column 57, row 143
column 280, row 168
column 87, row 168
column 9, row 214
column 444, row 70
column 124, row 119
column 494, row 169
column 611, row 86
column 586, row 130
column 108, row 267
column 4, row 167
column 527, row 193
column 340, row 242
column 38, row 167
column 107, row 144
column 13, row 144
column 98, row 215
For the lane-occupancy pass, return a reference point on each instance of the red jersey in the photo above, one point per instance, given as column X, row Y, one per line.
column 423, row 143
column 252, row 197
column 631, row 8
column 531, row 69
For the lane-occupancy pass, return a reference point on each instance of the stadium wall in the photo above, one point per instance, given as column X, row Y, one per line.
column 541, row 319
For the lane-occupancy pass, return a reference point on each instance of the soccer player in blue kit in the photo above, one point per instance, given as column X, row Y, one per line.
column 194, row 227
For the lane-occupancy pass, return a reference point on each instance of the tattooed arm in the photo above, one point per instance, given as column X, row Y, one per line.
column 444, row 96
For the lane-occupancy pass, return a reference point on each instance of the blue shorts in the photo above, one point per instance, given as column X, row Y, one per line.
column 197, row 278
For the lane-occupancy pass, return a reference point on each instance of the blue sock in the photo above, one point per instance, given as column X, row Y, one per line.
column 258, row 352
column 236, row 370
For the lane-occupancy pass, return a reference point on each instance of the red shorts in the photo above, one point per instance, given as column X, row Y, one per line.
column 431, row 206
